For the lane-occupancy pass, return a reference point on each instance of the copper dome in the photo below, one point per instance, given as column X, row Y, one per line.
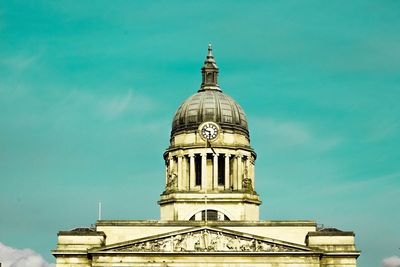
column 209, row 104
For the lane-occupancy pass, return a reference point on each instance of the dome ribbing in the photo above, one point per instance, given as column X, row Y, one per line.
column 210, row 105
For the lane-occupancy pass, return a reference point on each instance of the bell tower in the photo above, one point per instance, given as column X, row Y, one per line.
column 209, row 162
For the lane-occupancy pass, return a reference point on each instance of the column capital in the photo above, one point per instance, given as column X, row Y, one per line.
column 227, row 155
column 203, row 154
column 239, row 155
column 191, row 155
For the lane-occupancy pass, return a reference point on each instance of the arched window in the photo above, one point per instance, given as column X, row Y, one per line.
column 212, row 215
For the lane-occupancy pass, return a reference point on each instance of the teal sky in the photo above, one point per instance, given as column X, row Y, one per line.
column 88, row 90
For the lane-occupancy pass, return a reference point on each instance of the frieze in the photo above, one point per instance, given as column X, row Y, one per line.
column 205, row 241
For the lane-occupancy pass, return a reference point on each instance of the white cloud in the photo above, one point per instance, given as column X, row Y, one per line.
column 154, row 126
column 366, row 183
column 382, row 128
column 117, row 105
column 12, row 257
column 288, row 134
column 111, row 106
column 393, row 261
column 20, row 62
column 124, row 103
column 293, row 133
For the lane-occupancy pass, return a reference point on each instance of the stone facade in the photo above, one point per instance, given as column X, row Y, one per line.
column 209, row 210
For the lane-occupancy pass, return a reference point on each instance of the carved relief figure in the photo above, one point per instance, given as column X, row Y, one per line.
column 204, row 241
column 234, row 244
column 190, row 242
column 172, row 181
column 247, row 184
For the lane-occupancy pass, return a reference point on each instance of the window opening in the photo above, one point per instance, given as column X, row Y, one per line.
column 212, row 215
column 221, row 169
column 197, row 168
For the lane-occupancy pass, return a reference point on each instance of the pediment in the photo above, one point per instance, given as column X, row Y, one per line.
column 203, row 240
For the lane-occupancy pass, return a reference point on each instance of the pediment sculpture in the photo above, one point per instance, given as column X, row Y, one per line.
column 206, row 240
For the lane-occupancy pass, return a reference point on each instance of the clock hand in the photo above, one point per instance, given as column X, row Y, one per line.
column 206, row 133
column 212, row 149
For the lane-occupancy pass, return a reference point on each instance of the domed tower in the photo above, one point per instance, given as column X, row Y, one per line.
column 209, row 163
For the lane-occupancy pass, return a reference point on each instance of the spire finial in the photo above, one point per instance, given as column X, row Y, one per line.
column 210, row 57
column 209, row 72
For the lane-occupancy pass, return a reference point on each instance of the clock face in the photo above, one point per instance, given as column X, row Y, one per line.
column 209, row 131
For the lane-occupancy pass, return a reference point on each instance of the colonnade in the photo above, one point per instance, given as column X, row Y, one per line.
column 193, row 171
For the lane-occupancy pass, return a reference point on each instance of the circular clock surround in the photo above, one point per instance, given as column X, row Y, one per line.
column 209, row 130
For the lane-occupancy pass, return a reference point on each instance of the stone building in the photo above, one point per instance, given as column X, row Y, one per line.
column 209, row 211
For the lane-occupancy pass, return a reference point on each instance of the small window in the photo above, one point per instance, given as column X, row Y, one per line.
column 212, row 215
column 209, row 77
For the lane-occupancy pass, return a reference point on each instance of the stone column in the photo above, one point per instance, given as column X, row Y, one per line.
column 166, row 172
column 185, row 176
column 252, row 173
column 234, row 173
column 215, row 171
column 204, row 171
column 192, row 173
column 227, row 182
column 239, row 171
column 171, row 170
column 171, row 164
column 179, row 172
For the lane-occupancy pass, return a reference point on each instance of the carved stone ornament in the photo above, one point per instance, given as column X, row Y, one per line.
column 205, row 241
column 247, row 184
column 172, row 181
